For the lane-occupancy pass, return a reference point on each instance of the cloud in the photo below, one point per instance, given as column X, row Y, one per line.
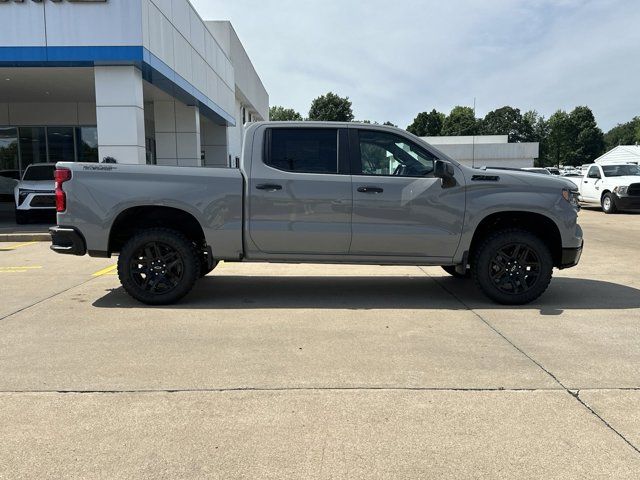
column 395, row 59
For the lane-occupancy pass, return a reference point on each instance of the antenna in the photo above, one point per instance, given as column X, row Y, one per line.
column 473, row 154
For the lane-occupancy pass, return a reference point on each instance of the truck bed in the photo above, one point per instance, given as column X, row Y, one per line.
column 98, row 194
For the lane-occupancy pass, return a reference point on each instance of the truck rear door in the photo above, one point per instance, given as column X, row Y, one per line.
column 300, row 199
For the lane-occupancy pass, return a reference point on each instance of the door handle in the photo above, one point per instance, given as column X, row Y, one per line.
column 271, row 187
column 370, row 189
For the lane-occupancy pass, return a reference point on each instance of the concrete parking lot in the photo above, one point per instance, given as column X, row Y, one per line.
column 316, row 371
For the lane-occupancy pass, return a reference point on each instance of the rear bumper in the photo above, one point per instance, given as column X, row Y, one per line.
column 571, row 257
column 68, row 241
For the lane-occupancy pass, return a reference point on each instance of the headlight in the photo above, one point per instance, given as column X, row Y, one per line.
column 22, row 196
column 571, row 196
column 622, row 190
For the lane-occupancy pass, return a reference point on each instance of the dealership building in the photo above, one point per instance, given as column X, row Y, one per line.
column 142, row 81
column 487, row 150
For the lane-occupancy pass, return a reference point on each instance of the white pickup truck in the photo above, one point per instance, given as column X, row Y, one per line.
column 615, row 187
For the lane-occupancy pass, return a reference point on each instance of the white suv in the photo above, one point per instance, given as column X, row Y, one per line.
column 35, row 193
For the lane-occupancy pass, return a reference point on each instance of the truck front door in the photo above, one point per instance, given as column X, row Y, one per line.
column 399, row 207
column 300, row 199
column 591, row 185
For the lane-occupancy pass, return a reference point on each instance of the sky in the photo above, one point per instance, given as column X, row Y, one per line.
column 394, row 59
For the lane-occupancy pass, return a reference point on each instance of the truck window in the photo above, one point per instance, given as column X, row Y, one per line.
column 620, row 170
column 384, row 153
column 302, row 150
column 594, row 172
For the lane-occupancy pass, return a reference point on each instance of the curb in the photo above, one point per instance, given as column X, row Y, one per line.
column 24, row 237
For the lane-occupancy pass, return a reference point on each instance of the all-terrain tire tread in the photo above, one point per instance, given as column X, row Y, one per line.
column 523, row 299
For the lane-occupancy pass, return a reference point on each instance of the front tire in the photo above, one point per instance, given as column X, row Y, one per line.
column 608, row 203
column 513, row 267
column 158, row 266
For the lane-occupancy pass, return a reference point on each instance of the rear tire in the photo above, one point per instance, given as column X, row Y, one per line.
column 608, row 203
column 451, row 270
column 513, row 267
column 158, row 266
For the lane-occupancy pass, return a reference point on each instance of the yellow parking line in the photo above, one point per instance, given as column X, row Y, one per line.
column 18, row 269
column 21, row 268
column 13, row 247
column 106, row 271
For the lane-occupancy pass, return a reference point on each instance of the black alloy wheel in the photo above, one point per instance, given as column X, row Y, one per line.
column 156, row 268
column 515, row 268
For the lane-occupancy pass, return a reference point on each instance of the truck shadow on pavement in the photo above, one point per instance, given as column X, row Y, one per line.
column 370, row 293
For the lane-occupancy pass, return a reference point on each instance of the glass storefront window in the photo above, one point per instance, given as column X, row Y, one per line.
column 33, row 146
column 23, row 146
column 9, row 149
column 61, row 144
column 87, row 144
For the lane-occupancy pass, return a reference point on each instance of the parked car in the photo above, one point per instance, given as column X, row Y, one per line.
column 615, row 187
column 35, row 194
column 8, row 181
column 541, row 171
column 553, row 170
column 575, row 177
column 320, row 193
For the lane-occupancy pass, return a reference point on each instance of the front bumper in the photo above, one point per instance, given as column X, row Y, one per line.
column 36, row 200
column 627, row 202
column 67, row 240
column 571, row 257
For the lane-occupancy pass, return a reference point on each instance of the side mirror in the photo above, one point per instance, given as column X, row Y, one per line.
column 443, row 170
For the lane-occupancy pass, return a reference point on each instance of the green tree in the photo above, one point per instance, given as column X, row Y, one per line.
column 390, row 124
column 331, row 108
column 536, row 129
column 559, row 140
column 461, row 121
column 574, row 138
column 427, row 124
column 588, row 139
column 281, row 114
column 505, row 121
column 623, row 134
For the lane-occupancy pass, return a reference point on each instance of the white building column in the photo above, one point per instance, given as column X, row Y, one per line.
column 177, row 134
column 214, row 144
column 120, row 114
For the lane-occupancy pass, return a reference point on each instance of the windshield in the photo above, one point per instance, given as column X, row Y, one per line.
column 620, row 170
column 39, row 173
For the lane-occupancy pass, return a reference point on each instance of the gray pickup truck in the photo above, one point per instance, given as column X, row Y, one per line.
column 309, row 192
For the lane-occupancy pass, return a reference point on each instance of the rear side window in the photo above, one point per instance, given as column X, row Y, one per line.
column 594, row 172
column 302, row 150
column 40, row 172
